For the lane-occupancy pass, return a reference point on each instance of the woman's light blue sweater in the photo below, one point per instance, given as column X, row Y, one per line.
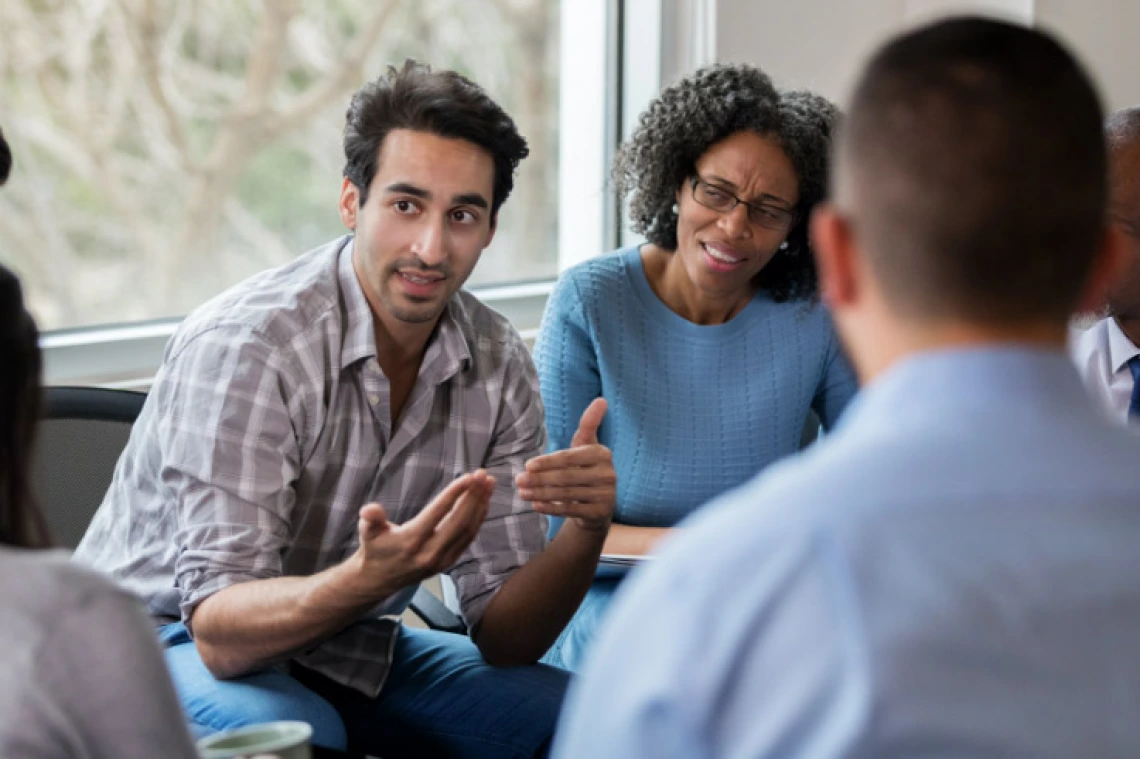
column 693, row 410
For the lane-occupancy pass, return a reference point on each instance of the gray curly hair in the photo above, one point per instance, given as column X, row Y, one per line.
column 688, row 118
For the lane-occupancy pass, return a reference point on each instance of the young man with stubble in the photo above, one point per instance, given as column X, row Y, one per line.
column 326, row 435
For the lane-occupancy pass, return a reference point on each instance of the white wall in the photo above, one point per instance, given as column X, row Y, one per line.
column 1105, row 34
column 820, row 44
column 804, row 43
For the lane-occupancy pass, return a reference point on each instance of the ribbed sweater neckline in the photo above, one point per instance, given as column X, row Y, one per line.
column 670, row 319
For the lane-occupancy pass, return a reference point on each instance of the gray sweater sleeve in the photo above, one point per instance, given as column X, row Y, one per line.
column 101, row 687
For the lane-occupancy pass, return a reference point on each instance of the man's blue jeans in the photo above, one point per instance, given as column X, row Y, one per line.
column 441, row 699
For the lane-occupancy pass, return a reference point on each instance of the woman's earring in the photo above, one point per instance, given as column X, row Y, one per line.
column 784, row 245
column 675, row 209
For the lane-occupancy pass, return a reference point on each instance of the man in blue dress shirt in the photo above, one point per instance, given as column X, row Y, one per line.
column 955, row 572
column 1107, row 354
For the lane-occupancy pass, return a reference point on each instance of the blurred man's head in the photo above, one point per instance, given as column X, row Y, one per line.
column 1123, row 133
column 969, row 187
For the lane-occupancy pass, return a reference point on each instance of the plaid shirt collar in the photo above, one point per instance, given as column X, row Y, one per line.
column 448, row 351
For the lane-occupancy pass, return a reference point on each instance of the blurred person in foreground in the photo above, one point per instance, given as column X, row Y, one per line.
column 81, row 674
column 708, row 341
column 326, row 435
column 1108, row 353
column 952, row 572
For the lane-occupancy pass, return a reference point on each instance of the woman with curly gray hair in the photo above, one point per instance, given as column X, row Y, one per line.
column 708, row 340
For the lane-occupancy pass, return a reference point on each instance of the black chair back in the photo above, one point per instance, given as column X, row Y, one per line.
column 84, row 429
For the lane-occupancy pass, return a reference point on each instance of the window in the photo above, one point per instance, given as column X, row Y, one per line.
column 166, row 149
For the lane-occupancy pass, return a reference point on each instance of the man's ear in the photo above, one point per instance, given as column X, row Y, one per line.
column 833, row 245
column 349, row 203
column 1108, row 265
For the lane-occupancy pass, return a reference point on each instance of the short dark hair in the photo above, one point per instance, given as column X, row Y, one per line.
column 5, row 159
column 20, row 521
column 442, row 103
column 688, row 118
column 972, row 159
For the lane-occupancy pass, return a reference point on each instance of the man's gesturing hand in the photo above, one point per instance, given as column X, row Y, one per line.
column 392, row 557
column 578, row 483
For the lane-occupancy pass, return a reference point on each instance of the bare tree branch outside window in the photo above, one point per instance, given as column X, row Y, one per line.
column 166, row 149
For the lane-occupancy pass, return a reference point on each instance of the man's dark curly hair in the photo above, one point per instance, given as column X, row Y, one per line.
column 688, row 118
column 443, row 103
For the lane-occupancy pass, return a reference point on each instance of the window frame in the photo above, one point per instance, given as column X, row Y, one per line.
column 611, row 75
column 126, row 356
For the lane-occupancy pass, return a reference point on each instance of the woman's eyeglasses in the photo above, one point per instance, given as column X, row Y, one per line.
column 767, row 215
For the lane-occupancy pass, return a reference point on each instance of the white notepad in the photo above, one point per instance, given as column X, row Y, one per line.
column 617, row 564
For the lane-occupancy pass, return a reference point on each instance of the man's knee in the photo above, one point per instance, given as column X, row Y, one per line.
column 542, row 689
column 515, row 706
column 270, row 697
column 212, row 705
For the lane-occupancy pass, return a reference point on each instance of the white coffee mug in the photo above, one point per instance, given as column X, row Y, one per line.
column 279, row 740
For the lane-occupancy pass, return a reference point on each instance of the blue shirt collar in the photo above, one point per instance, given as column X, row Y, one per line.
column 1120, row 348
column 950, row 381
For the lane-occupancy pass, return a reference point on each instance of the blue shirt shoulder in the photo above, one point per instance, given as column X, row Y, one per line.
column 969, row 529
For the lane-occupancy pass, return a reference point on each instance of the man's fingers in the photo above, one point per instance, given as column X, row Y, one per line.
column 587, row 433
column 456, row 531
column 373, row 513
column 461, row 541
column 373, row 521
column 424, row 523
column 469, row 507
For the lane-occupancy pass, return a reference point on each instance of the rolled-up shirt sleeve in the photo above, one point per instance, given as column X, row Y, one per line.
column 513, row 532
column 230, row 458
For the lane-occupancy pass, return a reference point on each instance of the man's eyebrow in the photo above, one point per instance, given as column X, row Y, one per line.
column 408, row 189
column 470, row 199
column 463, row 199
